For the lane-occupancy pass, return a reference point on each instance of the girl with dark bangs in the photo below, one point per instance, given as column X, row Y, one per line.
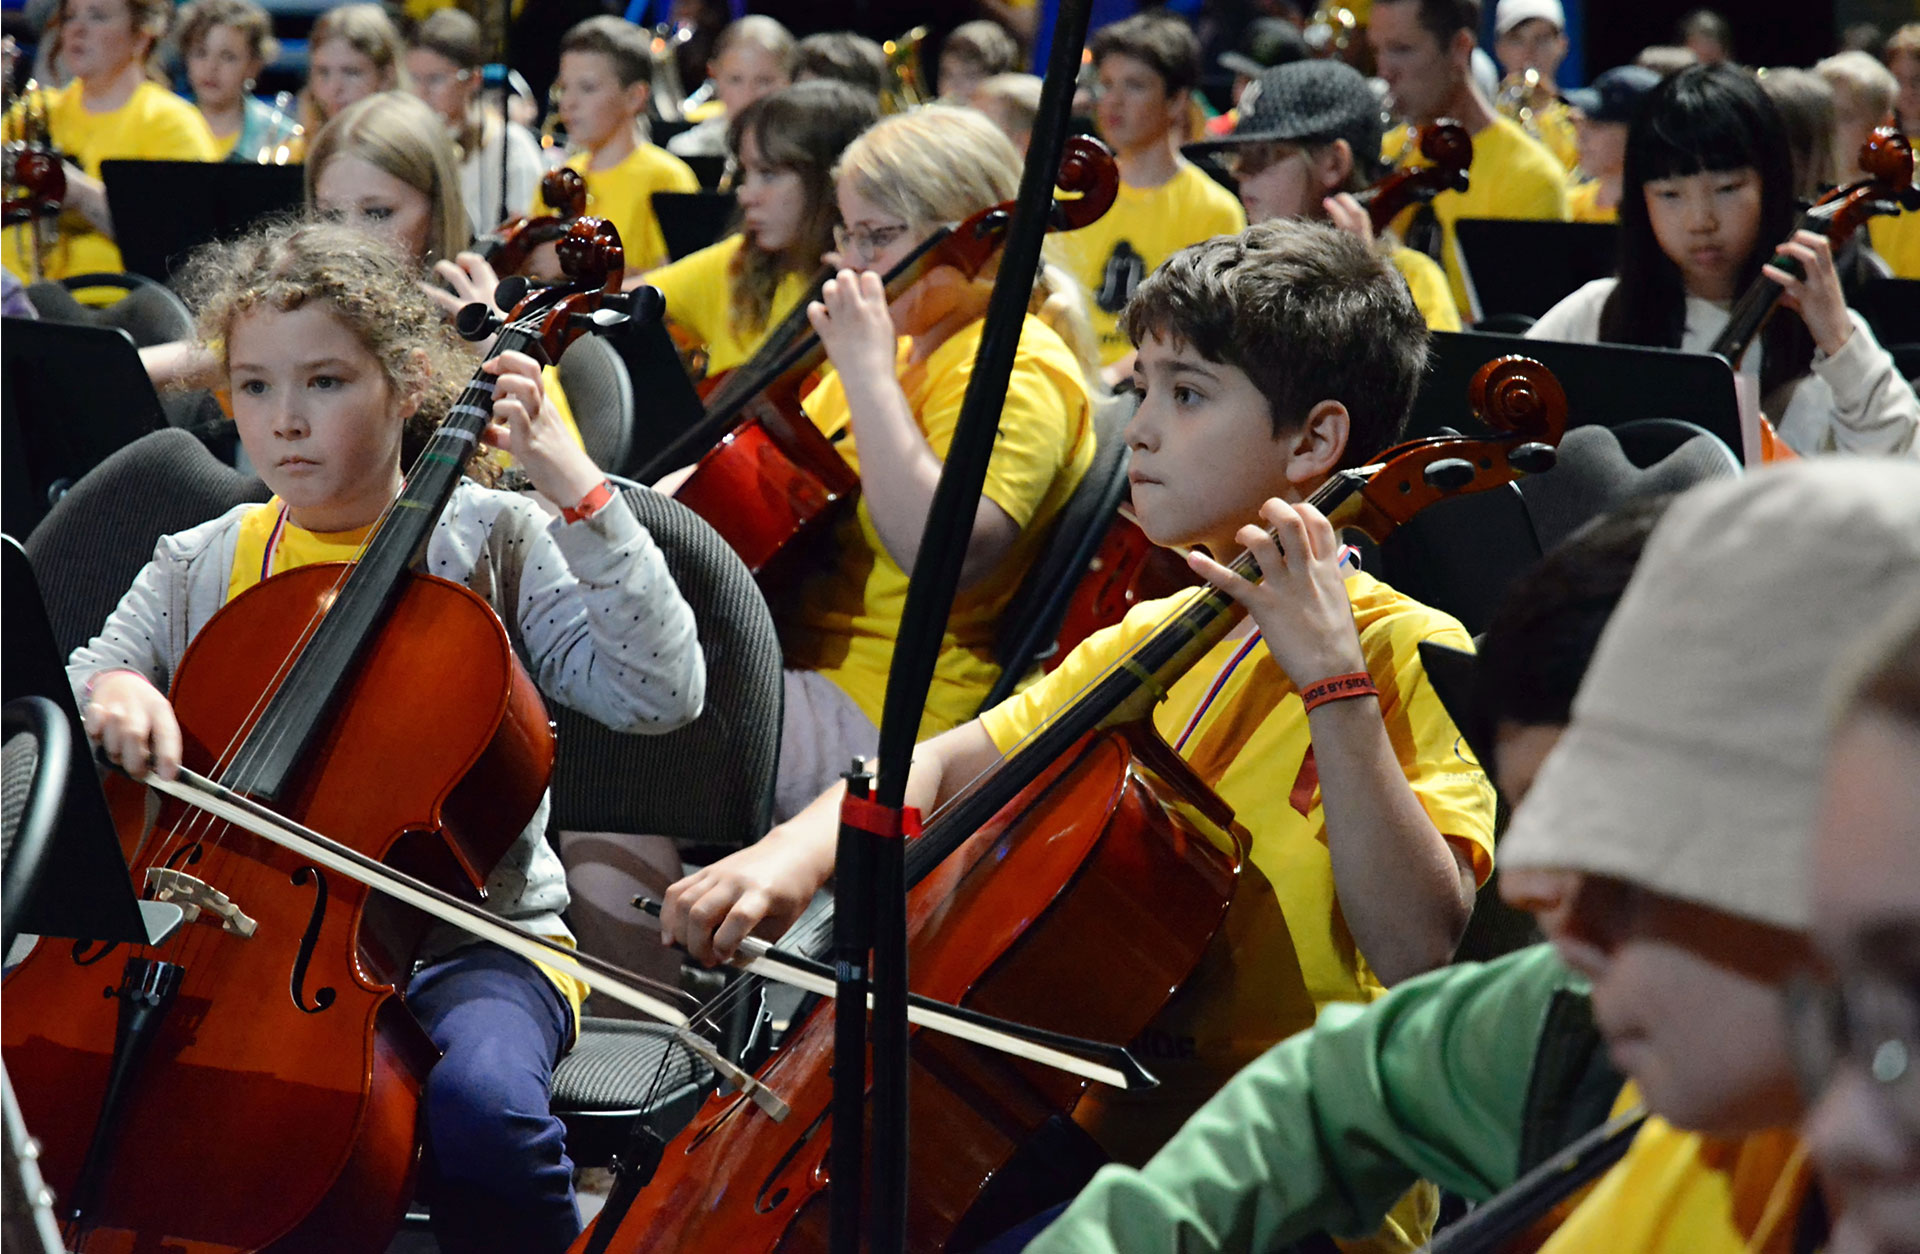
column 728, row 296
column 1707, row 195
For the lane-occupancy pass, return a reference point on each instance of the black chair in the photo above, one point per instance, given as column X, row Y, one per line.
column 600, row 393
column 33, row 783
column 150, row 313
column 1602, row 468
column 708, row 785
column 1031, row 628
column 88, row 550
column 1892, row 308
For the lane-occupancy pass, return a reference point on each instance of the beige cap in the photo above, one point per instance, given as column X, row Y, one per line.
column 1692, row 763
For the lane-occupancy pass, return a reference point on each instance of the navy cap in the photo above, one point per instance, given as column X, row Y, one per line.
column 1306, row 102
column 1616, row 95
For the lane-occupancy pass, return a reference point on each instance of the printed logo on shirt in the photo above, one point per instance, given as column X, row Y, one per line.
column 1119, row 277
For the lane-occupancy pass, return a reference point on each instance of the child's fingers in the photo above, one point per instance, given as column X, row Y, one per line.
column 817, row 315
column 1217, row 575
column 124, row 738
column 1289, row 532
column 164, row 745
column 499, row 434
column 1321, row 540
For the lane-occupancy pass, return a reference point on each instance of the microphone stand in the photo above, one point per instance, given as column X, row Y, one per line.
column 872, row 828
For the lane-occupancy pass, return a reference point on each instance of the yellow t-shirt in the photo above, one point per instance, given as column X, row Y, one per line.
column 1286, row 949
column 845, row 618
column 154, row 125
column 268, row 546
column 1897, row 240
column 699, row 294
column 1145, row 226
column 1681, row 1192
column 1512, row 176
column 623, row 194
column 1553, row 126
column 1583, row 204
column 1428, row 283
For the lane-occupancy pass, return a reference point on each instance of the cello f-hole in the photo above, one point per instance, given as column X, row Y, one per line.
column 322, row 997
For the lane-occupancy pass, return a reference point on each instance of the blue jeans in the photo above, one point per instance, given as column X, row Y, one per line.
column 498, row 1176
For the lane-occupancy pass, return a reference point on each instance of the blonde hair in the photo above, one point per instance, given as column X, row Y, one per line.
column 361, row 280
column 401, row 134
column 939, row 164
column 1904, row 42
column 1862, row 74
column 1017, row 95
column 368, row 31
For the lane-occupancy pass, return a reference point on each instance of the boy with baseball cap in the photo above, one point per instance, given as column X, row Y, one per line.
column 1531, row 35
column 1306, row 137
column 1605, row 111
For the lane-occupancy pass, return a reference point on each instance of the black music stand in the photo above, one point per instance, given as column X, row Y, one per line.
column 690, row 221
column 70, row 396
column 1517, row 266
column 665, row 402
column 708, row 169
column 1892, row 308
column 1608, row 384
column 163, row 210
column 83, row 892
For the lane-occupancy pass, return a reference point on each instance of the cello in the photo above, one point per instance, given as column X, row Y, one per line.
column 267, row 1030
column 765, row 475
column 510, row 246
column 1129, row 568
column 1074, row 887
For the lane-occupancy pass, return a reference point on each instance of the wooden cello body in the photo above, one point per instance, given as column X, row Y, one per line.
column 1081, row 908
column 276, row 1105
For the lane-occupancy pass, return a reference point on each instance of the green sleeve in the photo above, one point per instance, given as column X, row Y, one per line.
column 1325, row 1131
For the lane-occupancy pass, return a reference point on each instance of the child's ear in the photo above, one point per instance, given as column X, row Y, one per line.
column 1315, row 447
column 419, row 367
column 639, row 94
column 1334, row 164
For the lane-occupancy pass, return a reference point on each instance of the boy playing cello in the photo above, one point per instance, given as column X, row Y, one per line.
column 1370, row 828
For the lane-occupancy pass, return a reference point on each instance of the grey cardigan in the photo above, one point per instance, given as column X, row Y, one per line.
column 600, row 625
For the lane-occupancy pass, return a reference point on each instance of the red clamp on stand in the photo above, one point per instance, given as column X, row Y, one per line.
column 877, row 820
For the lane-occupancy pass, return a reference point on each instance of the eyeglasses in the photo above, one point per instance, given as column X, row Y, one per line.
column 867, row 242
column 1871, row 1022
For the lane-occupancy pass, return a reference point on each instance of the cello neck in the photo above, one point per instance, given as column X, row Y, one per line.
column 297, row 710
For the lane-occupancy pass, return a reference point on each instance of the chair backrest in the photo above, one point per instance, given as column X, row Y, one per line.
column 600, row 393
column 1601, row 469
column 150, row 313
column 87, row 551
column 1031, row 627
column 689, row 221
column 708, row 784
column 34, row 762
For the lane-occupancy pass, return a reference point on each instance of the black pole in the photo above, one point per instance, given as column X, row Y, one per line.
column 852, row 938
column 506, row 110
column 936, row 577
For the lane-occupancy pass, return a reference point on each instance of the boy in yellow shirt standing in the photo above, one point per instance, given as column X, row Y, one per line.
column 1266, row 360
column 1424, row 48
column 606, row 72
column 1148, row 66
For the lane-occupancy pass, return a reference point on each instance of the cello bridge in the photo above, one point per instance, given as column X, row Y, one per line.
column 195, row 897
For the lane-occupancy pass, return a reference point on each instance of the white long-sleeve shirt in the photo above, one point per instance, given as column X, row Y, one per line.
column 1852, row 402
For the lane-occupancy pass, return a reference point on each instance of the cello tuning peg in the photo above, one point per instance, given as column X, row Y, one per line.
column 510, row 291
column 1449, row 474
column 476, row 321
column 1533, row 458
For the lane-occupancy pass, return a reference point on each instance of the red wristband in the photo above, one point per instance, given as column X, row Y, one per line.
column 590, row 504
column 1338, row 688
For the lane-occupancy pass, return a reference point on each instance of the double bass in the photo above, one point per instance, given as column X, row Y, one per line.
column 1129, row 568
column 253, row 1081
column 765, row 475
column 1073, row 888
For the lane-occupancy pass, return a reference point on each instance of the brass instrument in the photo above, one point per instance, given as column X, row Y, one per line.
column 906, row 76
column 1336, row 32
column 35, row 178
column 1523, row 94
column 669, row 96
column 283, row 133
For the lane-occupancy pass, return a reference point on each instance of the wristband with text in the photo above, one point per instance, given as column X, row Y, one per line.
column 1338, row 688
column 590, row 504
